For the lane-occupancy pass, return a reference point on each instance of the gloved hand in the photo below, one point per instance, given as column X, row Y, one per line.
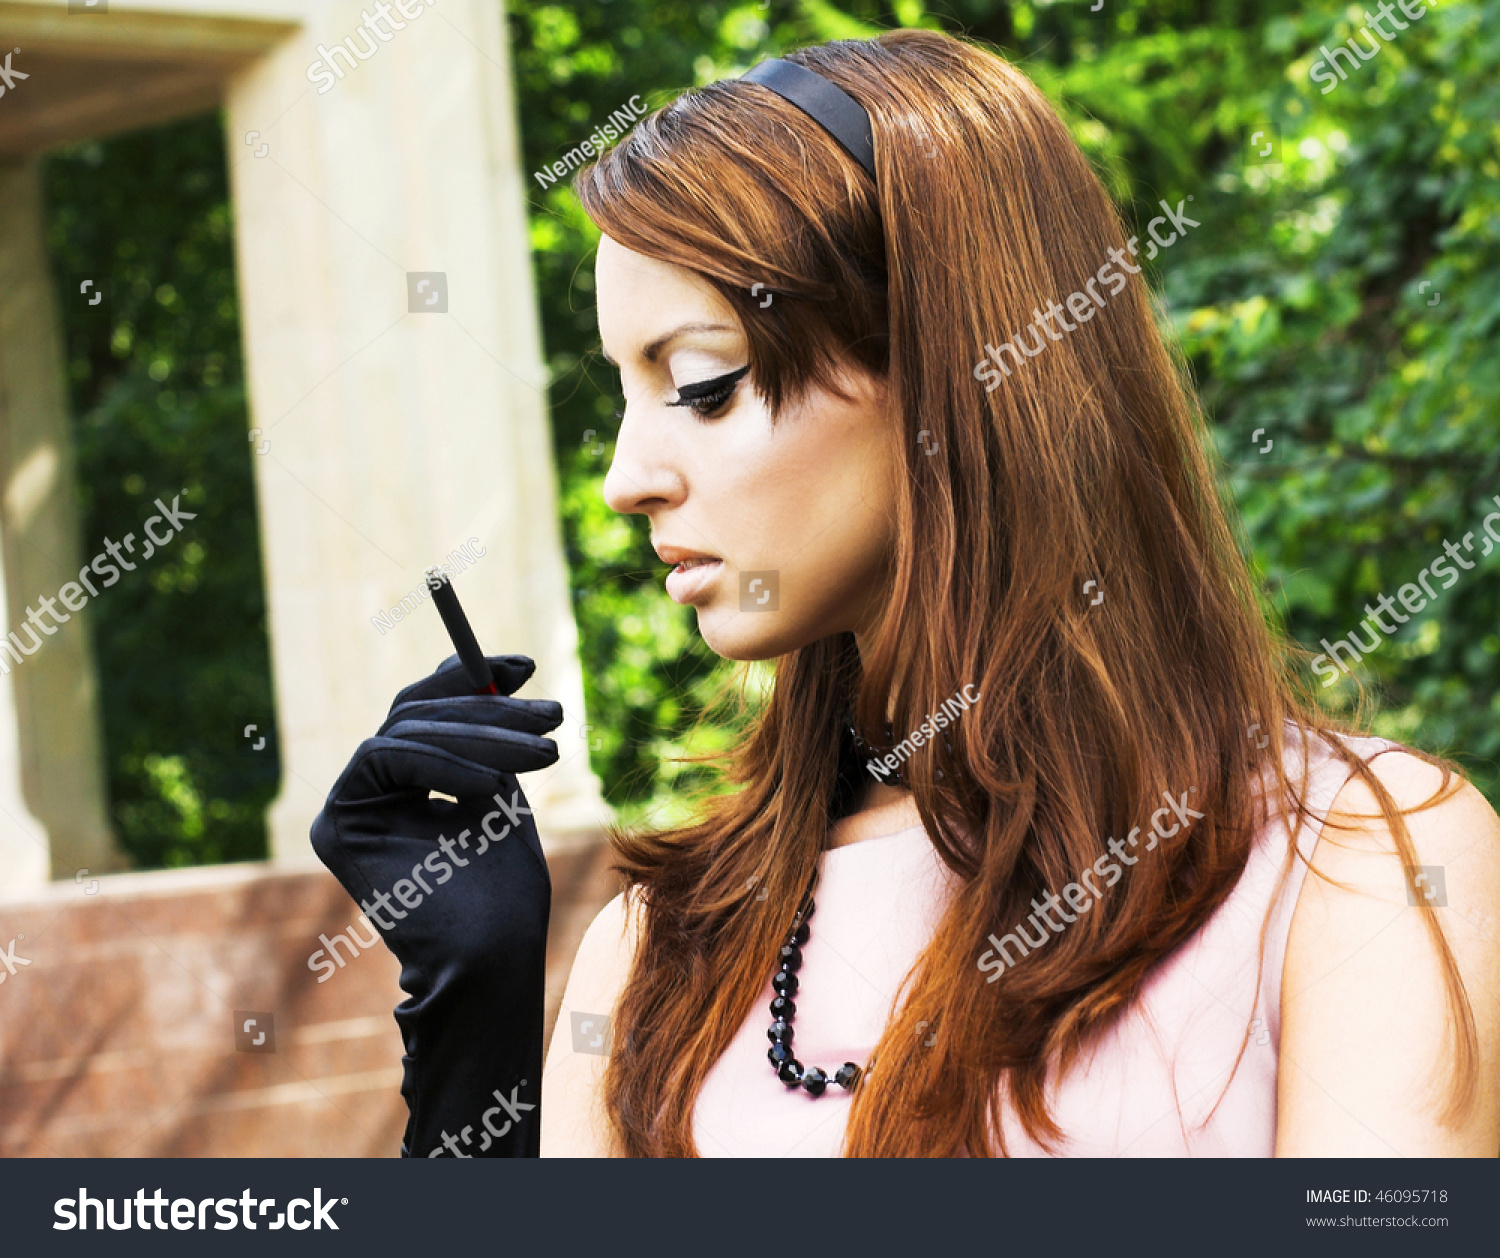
column 461, row 894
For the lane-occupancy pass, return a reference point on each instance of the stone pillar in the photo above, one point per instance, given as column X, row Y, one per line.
column 395, row 419
column 24, row 850
column 49, row 721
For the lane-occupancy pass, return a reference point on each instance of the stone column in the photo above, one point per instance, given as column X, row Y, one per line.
column 395, row 419
column 24, row 850
column 50, row 743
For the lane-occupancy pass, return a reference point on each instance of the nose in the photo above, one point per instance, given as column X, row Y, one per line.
column 643, row 476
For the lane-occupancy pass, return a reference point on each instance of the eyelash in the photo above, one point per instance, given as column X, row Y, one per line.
column 707, row 398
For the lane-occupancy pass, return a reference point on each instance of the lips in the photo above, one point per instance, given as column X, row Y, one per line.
column 692, row 575
column 681, row 555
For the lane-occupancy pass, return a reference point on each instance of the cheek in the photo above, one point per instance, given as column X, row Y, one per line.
column 815, row 507
column 835, row 497
column 828, row 469
column 843, row 545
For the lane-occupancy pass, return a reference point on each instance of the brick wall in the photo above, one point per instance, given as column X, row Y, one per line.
column 118, row 1039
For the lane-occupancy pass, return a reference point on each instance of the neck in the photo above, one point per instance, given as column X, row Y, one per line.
column 879, row 810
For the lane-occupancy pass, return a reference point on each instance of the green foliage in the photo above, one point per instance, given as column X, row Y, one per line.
column 158, row 404
column 1348, row 306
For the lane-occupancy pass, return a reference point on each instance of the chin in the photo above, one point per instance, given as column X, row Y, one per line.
column 735, row 635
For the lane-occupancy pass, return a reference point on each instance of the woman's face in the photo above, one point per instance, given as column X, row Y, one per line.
column 777, row 534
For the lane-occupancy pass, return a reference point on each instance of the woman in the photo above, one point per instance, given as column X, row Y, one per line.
column 1021, row 834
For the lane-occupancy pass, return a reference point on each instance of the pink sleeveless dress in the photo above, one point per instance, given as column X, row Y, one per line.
column 1148, row 1086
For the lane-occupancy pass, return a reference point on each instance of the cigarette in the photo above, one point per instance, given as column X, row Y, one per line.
column 465, row 643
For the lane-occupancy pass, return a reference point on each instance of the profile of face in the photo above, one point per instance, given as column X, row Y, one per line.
column 779, row 530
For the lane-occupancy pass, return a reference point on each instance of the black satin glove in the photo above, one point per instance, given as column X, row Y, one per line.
column 460, row 893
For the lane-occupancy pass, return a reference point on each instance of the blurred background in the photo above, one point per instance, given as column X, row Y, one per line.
column 244, row 224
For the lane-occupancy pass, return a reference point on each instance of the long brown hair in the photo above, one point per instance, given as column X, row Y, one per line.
column 1086, row 464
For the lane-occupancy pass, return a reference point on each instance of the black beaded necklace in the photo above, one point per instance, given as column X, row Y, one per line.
column 788, row 1069
column 866, row 754
column 854, row 753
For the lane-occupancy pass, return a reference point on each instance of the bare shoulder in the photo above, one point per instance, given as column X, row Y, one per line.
column 1368, row 1044
column 1456, row 832
column 573, row 1120
column 604, row 954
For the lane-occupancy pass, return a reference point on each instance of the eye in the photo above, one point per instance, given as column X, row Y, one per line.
column 708, row 397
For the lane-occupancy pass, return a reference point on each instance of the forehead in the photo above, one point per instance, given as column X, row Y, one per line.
column 643, row 302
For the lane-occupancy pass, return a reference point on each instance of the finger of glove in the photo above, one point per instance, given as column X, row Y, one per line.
column 388, row 766
column 510, row 673
column 502, row 750
column 529, row 716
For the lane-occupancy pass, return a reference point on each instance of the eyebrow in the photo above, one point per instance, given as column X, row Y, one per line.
column 651, row 351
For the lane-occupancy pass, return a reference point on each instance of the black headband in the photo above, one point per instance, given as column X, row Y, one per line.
column 827, row 104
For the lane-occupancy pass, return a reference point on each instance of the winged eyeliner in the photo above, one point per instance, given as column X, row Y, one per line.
column 707, row 388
